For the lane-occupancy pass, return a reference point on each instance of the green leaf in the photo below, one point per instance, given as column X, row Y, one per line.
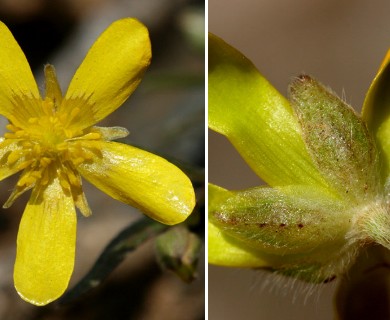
column 376, row 112
column 256, row 118
column 178, row 250
column 128, row 240
column 338, row 140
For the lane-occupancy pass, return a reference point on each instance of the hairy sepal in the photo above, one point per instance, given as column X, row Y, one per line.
column 337, row 140
column 294, row 231
column 288, row 220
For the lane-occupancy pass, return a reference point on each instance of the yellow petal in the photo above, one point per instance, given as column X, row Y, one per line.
column 376, row 112
column 226, row 251
column 257, row 119
column 141, row 179
column 111, row 71
column 16, row 79
column 46, row 245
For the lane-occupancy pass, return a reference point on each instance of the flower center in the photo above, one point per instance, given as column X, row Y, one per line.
column 48, row 147
column 49, row 136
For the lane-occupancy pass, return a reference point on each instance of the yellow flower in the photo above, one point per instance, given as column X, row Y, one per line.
column 53, row 142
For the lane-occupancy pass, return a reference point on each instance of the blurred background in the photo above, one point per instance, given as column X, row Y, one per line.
column 340, row 43
column 165, row 115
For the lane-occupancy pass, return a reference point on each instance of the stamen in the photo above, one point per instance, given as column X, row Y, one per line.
column 20, row 133
column 14, row 156
column 26, row 180
column 78, row 161
column 37, row 149
column 11, row 127
column 87, row 154
column 44, row 162
column 36, row 174
column 9, row 135
column 24, row 164
column 27, row 144
column 69, row 133
column 62, row 146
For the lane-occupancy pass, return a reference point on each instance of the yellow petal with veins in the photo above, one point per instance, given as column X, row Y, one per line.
column 46, row 245
column 257, row 119
column 141, row 179
column 111, row 71
column 16, row 80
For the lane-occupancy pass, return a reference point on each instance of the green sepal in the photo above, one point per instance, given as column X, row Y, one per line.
column 224, row 250
column 256, row 118
column 317, row 265
column 337, row 139
column 287, row 220
column 178, row 250
column 376, row 112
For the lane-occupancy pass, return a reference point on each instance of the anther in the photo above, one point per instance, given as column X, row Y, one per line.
column 78, row 161
column 62, row 146
column 11, row 127
column 20, row 133
column 44, row 162
column 26, row 180
column 14, row 156
column 24, row 164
